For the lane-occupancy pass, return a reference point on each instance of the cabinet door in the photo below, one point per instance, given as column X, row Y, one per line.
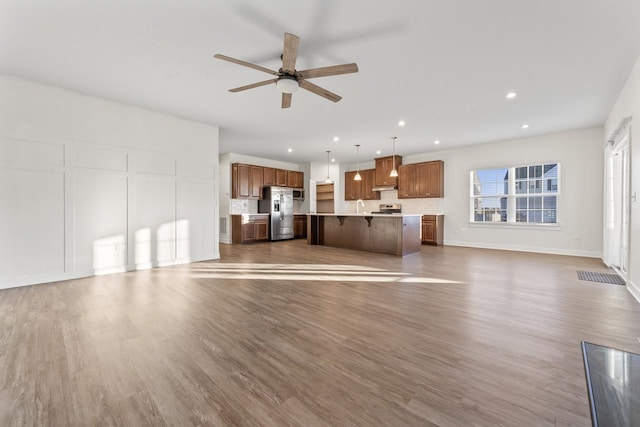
column 281, row 177
column 268, row 176
column 243, row 183
column 428, row 231
column 368, row 181
column 384, row 166
column 248, row 232
column 352, row 188
column 299, row 180
column 406, row 181
column 261, row 230
column 256, row 182
column 436, row 179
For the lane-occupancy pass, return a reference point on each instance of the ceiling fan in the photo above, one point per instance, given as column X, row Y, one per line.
column 288, row 79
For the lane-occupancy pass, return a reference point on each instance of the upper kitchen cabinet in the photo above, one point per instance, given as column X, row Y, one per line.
column 407, row 181
column 246, row 181
column 268, row 176
column 384, row 165
column 295, row 179
column 430, row 179
column 281, row 177
column 421, row 180
column 354, row 190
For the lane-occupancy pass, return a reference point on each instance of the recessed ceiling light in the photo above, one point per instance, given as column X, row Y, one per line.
column 511, row 95
column 401, row 123
column 336, row 139
column 333, row 160
column 378, row 151
column 436, row 142
column 290, row 150
column 525, row 126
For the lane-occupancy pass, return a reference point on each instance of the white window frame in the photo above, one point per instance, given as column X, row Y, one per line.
column 511, row 199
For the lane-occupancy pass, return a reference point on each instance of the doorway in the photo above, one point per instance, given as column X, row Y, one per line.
column 617, row 201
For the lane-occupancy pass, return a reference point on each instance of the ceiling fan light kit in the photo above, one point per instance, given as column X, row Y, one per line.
column 288, row 79
column 287, row 84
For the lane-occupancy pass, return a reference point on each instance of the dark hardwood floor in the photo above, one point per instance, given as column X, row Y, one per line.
column 289, row 334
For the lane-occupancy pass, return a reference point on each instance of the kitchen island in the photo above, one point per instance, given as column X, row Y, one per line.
column 395, row 234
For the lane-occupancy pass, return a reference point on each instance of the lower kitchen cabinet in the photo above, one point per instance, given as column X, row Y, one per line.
column 299, row 226
column 432, row 229
column 249, row 228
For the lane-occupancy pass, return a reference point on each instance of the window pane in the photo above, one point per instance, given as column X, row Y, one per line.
column 535, row 202
column 535, row 216
column 521, row 173
column 521, row 187
column 551, row 171
column 550, row 202
column 535, row 186
column 551, row 185
column 535, row 171
column 521, row 203
column 549, row 216
column 521, row 216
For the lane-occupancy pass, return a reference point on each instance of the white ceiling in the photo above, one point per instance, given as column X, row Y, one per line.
column 444, row 66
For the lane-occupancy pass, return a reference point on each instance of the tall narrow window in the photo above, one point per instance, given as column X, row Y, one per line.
column 519, row 194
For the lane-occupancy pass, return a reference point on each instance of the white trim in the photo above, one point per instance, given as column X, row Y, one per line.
column 551, row 226
column 634, row 290
column 517, row 248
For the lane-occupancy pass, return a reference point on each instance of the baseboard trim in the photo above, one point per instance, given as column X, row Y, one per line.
column 40, row 279
column 516, row 248
column 633, row 290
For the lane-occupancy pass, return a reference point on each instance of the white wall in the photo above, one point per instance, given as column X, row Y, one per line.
column 580, row 205
column 628, row 105
column 228, row 207
column 89, row 186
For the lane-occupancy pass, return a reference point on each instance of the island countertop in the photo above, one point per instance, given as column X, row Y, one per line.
column 365, row 214
column 395, row 234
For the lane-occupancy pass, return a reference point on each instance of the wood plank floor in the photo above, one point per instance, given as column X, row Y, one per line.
column 287, row 334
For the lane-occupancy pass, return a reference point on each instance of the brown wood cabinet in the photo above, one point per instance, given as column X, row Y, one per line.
column 281, row 177
column 295, row 179
column 432, row 229
column 407, row 181
column 268, row 176
column 384, row 165
column 246, row 181
column 299, row 226
column 249, row 228
column 363, row 189
column 421, row 180
column 430, row 179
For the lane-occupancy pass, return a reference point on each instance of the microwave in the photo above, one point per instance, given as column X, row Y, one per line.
column 298, row 194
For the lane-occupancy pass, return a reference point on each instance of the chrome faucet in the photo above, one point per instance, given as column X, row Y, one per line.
column 358, row 203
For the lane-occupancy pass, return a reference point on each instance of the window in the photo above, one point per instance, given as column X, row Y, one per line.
column 522, row 194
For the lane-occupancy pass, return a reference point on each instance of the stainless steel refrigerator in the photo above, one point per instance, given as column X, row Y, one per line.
column 278, row 202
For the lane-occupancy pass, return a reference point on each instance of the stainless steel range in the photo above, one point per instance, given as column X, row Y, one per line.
column 389, row 208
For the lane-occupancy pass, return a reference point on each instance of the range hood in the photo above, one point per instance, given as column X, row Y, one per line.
column 385, row 188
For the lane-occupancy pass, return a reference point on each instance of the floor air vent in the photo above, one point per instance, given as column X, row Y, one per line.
column 590, row 276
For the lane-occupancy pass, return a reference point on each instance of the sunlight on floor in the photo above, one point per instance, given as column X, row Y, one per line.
column 306, row 272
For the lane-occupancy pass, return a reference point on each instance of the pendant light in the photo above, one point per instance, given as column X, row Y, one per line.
column 328, row 180
column 357, row 177
column 394, row 172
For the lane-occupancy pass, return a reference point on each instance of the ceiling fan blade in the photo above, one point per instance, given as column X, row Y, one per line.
column 244, row 63
column 319, row 91
column 251, row 86
column 290, row 53
column 286, row 100
column 333, row 70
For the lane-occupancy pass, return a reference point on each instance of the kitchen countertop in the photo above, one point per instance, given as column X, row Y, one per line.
column 365, row 214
